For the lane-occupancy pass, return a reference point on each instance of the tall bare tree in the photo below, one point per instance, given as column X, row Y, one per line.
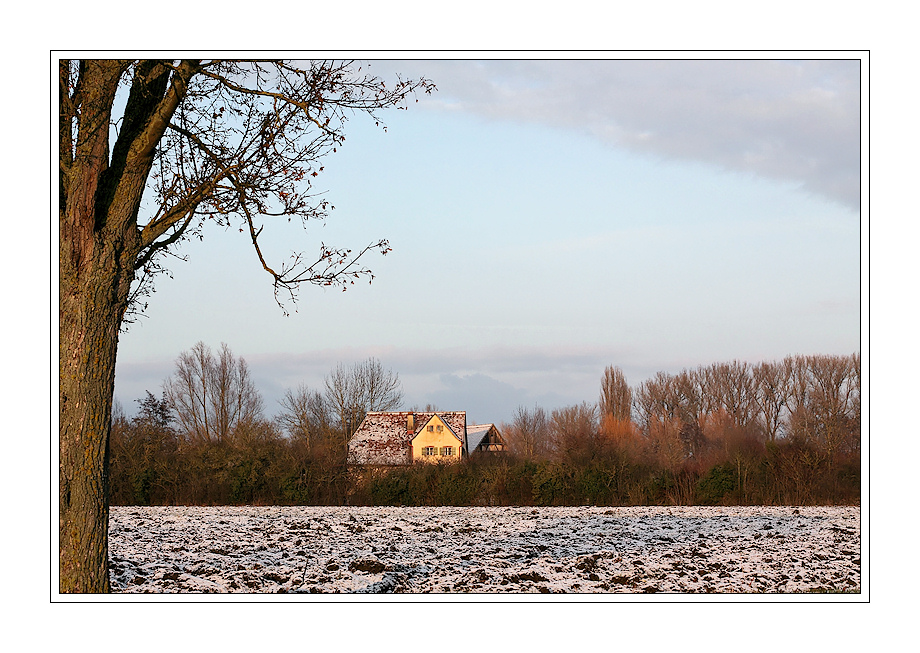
column 660, row 397
column 528, row 435
column 352, row 391
column 304, row 415
column 854, row 409
column 834, row 395
column 574, row 432
column 694, row 401
column 230, row 141
column 616, row 395
column 730, row 386
column 213, row 397
column 771, row 389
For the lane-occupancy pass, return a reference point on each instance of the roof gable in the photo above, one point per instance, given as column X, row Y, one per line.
column 435, row 420
column 475, row 435
column 479, row 434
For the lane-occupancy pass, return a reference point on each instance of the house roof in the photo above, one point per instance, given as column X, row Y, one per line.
column 455, row 419
column 475, row 433
column 383, row 438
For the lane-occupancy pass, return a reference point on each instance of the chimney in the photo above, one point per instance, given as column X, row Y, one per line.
column 410, row 424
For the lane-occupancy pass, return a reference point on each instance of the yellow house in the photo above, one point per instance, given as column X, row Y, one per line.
column 403, row 438
column 436, row 441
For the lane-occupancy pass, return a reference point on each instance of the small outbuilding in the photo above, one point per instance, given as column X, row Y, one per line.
column 484, row 437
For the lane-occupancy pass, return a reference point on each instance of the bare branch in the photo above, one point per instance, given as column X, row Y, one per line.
column 240, row 142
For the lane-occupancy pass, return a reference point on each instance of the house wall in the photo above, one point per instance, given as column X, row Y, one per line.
column 435, row 438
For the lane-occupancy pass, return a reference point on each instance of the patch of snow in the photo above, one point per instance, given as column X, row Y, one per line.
column 485, row 550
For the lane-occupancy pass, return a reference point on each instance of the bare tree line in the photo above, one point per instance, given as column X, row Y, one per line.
column 773, row 432
column 814, row 400
column 811, row 398
column 208, row 439
column 214, row 399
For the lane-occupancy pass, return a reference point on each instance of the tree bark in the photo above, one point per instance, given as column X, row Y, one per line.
column 95, row 281
column 92, row 307
column 98, row 247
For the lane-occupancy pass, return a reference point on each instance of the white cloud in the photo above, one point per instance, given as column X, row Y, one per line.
column 793, row 121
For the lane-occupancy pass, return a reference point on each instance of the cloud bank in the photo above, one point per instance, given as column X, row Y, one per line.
column 791, row 121
column 490, row 383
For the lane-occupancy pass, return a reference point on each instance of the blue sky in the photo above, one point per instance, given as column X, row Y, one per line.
column 549, row 218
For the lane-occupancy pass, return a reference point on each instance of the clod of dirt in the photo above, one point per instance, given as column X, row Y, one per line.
column 367, row 565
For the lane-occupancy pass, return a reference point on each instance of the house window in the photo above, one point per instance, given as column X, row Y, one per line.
column 447, row 451
column 440, row 428
column 428, row 451
column 430, row 428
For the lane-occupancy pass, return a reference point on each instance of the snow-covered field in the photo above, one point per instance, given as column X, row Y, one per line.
column 485, row 550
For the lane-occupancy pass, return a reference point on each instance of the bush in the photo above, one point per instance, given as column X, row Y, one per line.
column 785, row 472
column 141, row 482
column 246, row 480
column 459, row 486
column 712, row 488
column 390, row 490
column 657, row 486
column 552, row 485
column 593, row 485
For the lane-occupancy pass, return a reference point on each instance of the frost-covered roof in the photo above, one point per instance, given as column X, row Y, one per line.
column 475, row 434
column 384, row 438
column 455, row 419
column 381, row 439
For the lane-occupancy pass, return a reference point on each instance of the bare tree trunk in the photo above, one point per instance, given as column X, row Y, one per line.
column 93, row 299
column 97, row 252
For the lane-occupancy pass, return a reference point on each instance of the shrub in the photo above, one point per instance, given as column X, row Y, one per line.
column 141, row 482
column 390, row 490
column 712, row 487
column 657, row 486
column 246, row 479
column 594, row 485
column 459, row 486
column 551, row 485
